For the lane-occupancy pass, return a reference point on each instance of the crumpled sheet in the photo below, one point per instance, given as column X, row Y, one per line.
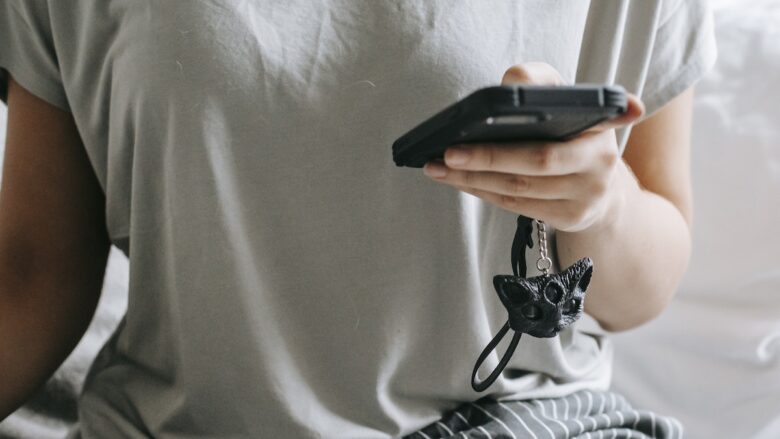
column 713, row 358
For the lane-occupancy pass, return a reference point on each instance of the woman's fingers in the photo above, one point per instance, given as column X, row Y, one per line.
column 554, row 211
column 530, row 158
column 553, row 187
column 540, row 73
column 634, row 111
column 534, row 73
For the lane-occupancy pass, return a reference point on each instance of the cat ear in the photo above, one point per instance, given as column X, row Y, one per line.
column 579, row 274
column 512, row 290
column 584, row 280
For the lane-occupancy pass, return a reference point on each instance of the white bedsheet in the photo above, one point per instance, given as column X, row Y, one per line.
column 713, row 358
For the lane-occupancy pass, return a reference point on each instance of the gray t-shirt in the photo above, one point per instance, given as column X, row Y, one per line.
column 286, row 278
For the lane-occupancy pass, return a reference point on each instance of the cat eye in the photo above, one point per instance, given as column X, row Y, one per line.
column 531, row 312
column 571, row 306
column 553, row 292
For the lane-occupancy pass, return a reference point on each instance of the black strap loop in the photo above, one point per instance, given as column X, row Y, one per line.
column 521, row 240
column 481, row 386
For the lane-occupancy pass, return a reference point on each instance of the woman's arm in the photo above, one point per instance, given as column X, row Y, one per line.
column 643, row 254
column 53, row 245
column 634, row 225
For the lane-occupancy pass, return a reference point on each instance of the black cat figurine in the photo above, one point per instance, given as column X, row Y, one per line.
column 539, row 306
column 542, row 306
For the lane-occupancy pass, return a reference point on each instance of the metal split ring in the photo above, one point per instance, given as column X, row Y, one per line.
column 544, row 264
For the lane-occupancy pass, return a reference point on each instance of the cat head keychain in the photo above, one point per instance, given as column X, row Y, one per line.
column 539, row 306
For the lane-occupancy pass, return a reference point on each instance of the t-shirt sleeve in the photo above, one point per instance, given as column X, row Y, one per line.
column 27, row 51
column 684, row 50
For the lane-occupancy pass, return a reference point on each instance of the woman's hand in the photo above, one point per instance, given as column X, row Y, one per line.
column 571, row 185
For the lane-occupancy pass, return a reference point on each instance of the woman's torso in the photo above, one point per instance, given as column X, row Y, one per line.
column 286, row 278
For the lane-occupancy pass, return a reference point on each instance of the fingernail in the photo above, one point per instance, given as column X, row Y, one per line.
column 434, row 170
column 457, row 156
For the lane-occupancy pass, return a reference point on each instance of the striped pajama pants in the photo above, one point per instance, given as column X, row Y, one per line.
column 583, row 415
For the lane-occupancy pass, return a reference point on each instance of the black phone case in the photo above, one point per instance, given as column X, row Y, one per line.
column 510, row 113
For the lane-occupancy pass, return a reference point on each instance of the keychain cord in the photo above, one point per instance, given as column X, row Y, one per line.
column 521, row 240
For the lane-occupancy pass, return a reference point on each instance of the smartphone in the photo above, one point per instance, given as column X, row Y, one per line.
column 510, row 113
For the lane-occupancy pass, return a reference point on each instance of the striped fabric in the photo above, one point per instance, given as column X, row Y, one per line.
column 583, row 415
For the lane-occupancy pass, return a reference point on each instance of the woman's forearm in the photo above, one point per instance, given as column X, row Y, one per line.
column 42, row 317
column 54, row 244
column 638, row 258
